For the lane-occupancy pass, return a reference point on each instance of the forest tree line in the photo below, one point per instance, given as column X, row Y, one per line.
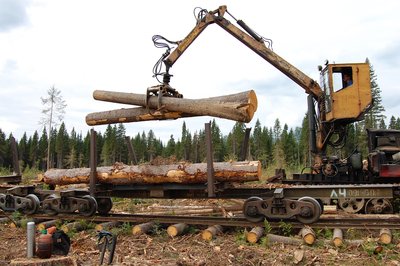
column 277, row 146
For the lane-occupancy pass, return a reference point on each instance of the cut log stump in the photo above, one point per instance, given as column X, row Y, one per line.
column 106, row 226
column 337, row 237
column 176, row 229
column 77, row 226
column 385, row 236
column 308, row 235
column 255, row 234
column 142, row 228
column 210, row 233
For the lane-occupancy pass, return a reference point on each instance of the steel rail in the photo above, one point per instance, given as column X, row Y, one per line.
column 326, row 221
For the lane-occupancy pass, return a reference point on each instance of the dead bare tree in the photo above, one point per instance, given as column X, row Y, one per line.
column 53, row 112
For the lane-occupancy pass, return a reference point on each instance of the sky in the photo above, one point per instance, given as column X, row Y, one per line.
column 80, row 46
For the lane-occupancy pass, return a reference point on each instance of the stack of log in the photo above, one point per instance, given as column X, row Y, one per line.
column 183, row 173
column 225, row 211
column 238, row 107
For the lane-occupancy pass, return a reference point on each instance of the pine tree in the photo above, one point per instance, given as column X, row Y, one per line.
column 392, row 122
column 256, row 139
column 277, row 130
column 3, row 148
column 139, row 145
column 86, row 149
column 42, row 150
column 170, row 148
column 8, row 158
column 121, row 147
column 184, row 147
column 61, row 146
column 376, row 114
column 235, row 140
column 23, row 151
column 151, row 145
column 382, row 124
column 304, row 146
column 217, row 142
column 108, row 148
column 71, row 159
column 195, row 148
column 34, row 150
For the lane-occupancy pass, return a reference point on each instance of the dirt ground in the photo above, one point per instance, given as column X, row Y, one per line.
column 231, row 248
column 228, row 249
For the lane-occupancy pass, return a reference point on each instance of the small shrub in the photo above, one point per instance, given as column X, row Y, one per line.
column 267, row 227
column 285, row 228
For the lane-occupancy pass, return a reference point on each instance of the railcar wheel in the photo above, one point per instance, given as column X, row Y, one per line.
column 2, row 201
column 351, row 205
column 90, row 208
column 250, row 212
column 104, row 205
column 33, row 206
column 308, row 216
column 378, row 206
column 47, row 209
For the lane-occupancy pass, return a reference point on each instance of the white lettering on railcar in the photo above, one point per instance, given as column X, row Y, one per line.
column 340, row 193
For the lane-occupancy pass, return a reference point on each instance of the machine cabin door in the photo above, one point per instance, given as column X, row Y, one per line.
column 347, row 91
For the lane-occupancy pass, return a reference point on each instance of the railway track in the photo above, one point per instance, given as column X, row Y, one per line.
column 327, row 220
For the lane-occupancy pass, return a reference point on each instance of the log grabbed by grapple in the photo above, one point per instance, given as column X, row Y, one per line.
column 238, row 107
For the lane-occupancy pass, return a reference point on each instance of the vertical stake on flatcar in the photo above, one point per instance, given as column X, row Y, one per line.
column 245, row 145
column 210, row 164
column 132, row 154
column 93, row 163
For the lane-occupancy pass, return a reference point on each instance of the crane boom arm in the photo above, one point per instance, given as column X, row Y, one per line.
column 253, row 42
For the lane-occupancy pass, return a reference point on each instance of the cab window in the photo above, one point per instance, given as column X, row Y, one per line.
column 342, row 77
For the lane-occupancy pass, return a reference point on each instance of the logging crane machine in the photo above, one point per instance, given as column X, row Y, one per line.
column 332, row 104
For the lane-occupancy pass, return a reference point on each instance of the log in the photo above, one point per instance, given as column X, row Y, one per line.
column 193, row 212
column 272, row 238
column 255, row 234
column 142, row 228
column 211, row 209
column 308, row 235
column 176, row 229
column 337, row 237
column 22, row 222
column 77, row 226
column 184, row 173
column 106, row 226
column 210, row 233
column 238, row 107
column 385, row 236
column 128, row 115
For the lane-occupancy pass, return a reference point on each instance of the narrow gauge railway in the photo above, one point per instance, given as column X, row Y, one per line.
column 261, row 200
column 355, row 221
